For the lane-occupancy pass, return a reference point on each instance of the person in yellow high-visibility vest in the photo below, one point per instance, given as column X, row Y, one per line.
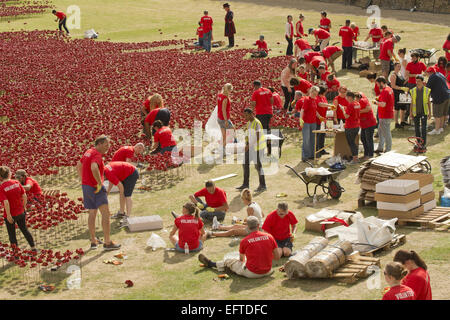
column 420, row 108
column 255, row 145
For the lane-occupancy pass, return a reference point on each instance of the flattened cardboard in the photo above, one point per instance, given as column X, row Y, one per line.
column 397, row 186
column 427, row 197
column 398, row 206
column 426, row 189
column 398, row 199
column 423, row 178
column 399, row 214
column 429, row 205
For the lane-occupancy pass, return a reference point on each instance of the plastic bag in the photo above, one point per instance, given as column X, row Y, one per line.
column 156, row 242
column 90, row 34
column 231, row 255
column 212, row 128
column 374, row 231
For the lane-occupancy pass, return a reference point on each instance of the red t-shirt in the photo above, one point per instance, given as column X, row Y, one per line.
column 258, row 249
column 262, row 45
column 377, row 89
column 303, row 75
column 387, row 96
column 188, row 231
column 277, row 102
column 376, row 34
column 207, row 23
column 419, row 281
column 447, row 46
column 165, row 138
column 220, row 99
column 89, row 157
column 366, row 119
column 310, row 55
column 329, row 51
column 341, row 101
column 299, row 28
column 321, row 110
column 200, row 32
column 415, row 68
column 303, row 86
column 291, row 26
column 146, row 105
column 309, row 113
column 302, row 44
column 346, row 33
column 262, row 98
column 278, row 227
column 332, row 83
column 321, row 34
column 352, row 109
column 299, row 104
column 12, row 191
column 35, row 188
column 60, row 15
column 400, row 292
column 317, row 60
column 152, row 116
column 124, row 153
column 385, row 46
column 325, row 24
column 118, row 171
column 355, row 33
column 324, row 76
column 439, row 69
column 215, row 200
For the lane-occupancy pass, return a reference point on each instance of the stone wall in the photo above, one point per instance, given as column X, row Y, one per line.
column 436, row 6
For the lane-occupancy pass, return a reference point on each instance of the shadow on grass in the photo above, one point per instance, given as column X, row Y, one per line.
column 239, row 283
column 236, row 204
column 205, row 168
column 174, row 257
column 308, row 285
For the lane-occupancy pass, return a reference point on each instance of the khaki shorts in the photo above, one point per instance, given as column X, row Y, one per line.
column 385, row 66
column 441, row 109
column 336, row 55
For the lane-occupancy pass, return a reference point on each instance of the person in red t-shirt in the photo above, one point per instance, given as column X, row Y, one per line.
column 413, row 69
column 61, row 17
column 322, row 109
column 387, row 54
column 393, row 274
column 14, row 201
column 164, row 140
column 323, row 75
column 129, row 153
column 351, row 114
column 446, row 47
column 207, row 23
column 277, row 101
column 322, row 37
column 256, row 252
column 299, row 32
column 340, row 100
column 215, row 204
column 90, row 170
column 376, row 34
column 301, row 48
column 331, row 53
column 347, row 35
column 190, row 230
column 324, row 23
column 417, row 278
column 151, row 103
column 123, row 175
column 262, row 101
column 333, row 86
column 302, row 73
column 441, row 65
column 32, row 188
column 199, row 33
column 279, row 223
column 355, row 30
column 385, row 102
column 368, row 123
column 262, row 50
column 301, row 85
column 223, row 113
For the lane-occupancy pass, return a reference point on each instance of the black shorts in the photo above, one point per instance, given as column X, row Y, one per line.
column 400, row 106
column 129, row 183
column 286, row 243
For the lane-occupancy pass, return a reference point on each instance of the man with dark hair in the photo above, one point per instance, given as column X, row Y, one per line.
column 255, row 144
column 347, row 35
column 385, row 102
column 62, row 20
column 325, row 23
column 216, row 202
column 262, row 102
column 230, row 29
column 207, row 23
column 420, row 108
column 289, row 35
column 31, row 186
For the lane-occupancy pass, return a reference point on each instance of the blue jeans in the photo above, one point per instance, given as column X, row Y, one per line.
column 308, row 141
column 200, row 247
column 207, row 41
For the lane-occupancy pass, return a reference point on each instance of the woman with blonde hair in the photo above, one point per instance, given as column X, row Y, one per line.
column 157, row 111
column 253, row 209
column 286, row 75
column 223, row 112
column 394, row 273
column 152, row 102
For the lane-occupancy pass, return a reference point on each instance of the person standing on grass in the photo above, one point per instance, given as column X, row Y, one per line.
column 368, row 123
column 31, row 186
column 200, row 34
column 397, row 82
column 322, row 37
column 351, row 114
column 207, row 23
column 440, row 93
column 420, row 108
column 90, row 170
column 286, row 75
column 347, row 35
column 129, row 153
column 387, row 54
column 14, row 201
column 413, row 69
column 190, row 230
column 325, row 23
column 340, row 100
column 393, row 274
column 322, row 105
column 223, row 113
column 385, row 104
column 289, row 35
column 299, row 31
column 417, row 278
column 230, row 29
column 261, row 103
column 256, row 252
column 62, row 18
column 216, row 202
column 123, row 175
column 376, row 34
column 279, row 223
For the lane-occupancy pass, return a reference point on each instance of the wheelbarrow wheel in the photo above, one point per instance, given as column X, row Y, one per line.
column 334, row 189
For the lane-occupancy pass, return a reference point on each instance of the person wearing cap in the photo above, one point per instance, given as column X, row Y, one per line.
column 262, row 50
column 262, row 102
column 440, row 93
column 256, row 252
column 420, row 108
column 207, row 23
column 31, row 186
column 299, row 31
column 347, row 35
column 322, row 37
column 387, row 54
column 230, row 29
column 289, row 35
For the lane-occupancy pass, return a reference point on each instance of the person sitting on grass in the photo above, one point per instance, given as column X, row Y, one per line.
column 278, row 223
column 123, row 175
column 394, row 273
column 262, row 50
column 129, row 153
column 163, row 139
column 216, row 202
column 256, row 252
column 190, row 230
column 31, row 186
column 253, row 209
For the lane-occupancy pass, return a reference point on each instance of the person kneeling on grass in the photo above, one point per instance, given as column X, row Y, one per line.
column 163, row 139
column 256, row 252
column 253, row 210
column 262, row 50
column 190, row 230
column 278, row 223
column 123, row 175
column 216, row 202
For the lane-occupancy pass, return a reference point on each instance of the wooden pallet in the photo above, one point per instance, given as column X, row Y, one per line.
column 398, row 240
column 356, row 267
column 50, row 192
column 437, row 218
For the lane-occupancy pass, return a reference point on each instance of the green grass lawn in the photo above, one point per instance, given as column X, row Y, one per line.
column 166, row 275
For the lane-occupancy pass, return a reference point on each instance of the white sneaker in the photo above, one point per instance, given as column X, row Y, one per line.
column 215, row 224
column 433, row 132
column 440, row 131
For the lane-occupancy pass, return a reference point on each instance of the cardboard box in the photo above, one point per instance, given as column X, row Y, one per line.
column 429, row 205
column 427, row 189
column 145, row 223
column 397, row 186
column 423, row 178
column 316, row 226
column 392, row 198
column 427, row 197
column 400, row 214
column 398, row 206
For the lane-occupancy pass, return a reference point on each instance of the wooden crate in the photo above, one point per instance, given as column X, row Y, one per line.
column 356, row 267
column 398, row 240
column 437, row 218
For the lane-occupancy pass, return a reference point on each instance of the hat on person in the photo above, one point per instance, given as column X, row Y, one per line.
column 431, row 70
column 397, row 37
column 252, row 222
column 310, row 30
column 226, row 5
